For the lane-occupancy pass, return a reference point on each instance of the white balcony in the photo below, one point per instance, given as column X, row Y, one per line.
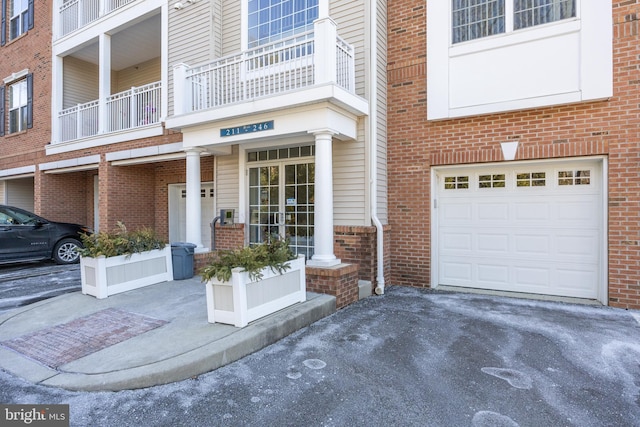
column 305, row 64
column 131, row 109
column 75, row 14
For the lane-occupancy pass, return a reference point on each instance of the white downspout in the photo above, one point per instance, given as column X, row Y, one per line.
column 373, row 134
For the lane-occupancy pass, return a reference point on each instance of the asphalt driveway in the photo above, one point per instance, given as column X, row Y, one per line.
column 410, row 358
column 26, row 283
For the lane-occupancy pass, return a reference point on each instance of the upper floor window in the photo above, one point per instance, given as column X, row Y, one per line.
column 272, row 20
column 16, row 99
column 473, row 19
column 527, row 13
column 17, row 16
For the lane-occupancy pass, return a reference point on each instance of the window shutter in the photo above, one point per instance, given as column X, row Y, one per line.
column 2, row 104
column 30, row 17
column 3, row 36
column 29, row 101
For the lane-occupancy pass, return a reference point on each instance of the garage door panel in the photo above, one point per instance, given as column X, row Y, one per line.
column 457, row 272
column 458, row 211
column 497, row 243
column 583, row 246
column 537, row 232
column 492, row 274
column 576, row 213
column 532, row 244
column 491, row 212
column 577, row 280
column 532, row 279
column 456, row 241
column 528, row 211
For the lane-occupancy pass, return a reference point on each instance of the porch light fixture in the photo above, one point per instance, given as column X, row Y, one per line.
column 178, row 6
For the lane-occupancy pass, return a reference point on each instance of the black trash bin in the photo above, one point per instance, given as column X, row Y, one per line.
column 182, row 258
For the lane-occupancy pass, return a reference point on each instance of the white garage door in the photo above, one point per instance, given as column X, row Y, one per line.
column 534, row 227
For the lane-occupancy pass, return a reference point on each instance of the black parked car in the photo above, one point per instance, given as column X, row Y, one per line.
column 25, row 236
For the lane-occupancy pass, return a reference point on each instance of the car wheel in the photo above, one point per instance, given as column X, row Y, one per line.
column 65, row 251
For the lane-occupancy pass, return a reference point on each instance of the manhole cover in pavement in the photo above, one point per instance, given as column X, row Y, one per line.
column 61, row 344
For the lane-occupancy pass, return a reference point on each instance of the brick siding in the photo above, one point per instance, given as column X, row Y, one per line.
column 593, row 128
column 30, row 51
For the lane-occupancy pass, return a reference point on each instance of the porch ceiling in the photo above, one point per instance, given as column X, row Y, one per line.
column 129, row 46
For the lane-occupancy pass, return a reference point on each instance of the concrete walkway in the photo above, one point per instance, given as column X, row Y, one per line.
column 183, row 347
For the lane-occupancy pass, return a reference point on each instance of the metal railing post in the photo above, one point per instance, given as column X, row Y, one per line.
column 133, row 109
column 78, row 122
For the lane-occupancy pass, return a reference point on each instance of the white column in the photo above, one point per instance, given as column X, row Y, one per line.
column 57, row 74
column 323, row 203
column 104, row 80
column 193, row 198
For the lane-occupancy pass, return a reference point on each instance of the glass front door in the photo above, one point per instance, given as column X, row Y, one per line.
column 281, row 203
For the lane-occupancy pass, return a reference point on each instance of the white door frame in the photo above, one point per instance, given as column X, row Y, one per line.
column 603, row 288
column 173, row 196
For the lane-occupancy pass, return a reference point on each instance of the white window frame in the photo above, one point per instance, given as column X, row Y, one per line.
column 509, row 19
column 19, row 107
column 245, row 26
column 457, row 88
column 21, row 16
column 556, row 5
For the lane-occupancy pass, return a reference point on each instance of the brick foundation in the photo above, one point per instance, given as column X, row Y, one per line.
column 340, row 281
column 357, row 245
column 227, row 237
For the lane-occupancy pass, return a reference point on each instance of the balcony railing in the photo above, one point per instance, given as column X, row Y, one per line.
column 78, row 122
column 139, row 106
column 290, row 64
column 76, row 14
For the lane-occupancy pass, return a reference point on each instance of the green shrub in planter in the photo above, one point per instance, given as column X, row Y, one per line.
column 120, row 242
column 275, row 253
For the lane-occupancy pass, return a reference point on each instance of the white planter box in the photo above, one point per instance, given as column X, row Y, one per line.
column 240, row 300
column 102, row 276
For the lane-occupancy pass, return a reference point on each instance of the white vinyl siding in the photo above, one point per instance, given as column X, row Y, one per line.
column 351, row 159
column 350, row 189
column 3, row 193
column 227, row 187
column 80, row 82
column 231, row 27
column 138, row 75
column 382, row 112
column 190, row 37
column 352, row 23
